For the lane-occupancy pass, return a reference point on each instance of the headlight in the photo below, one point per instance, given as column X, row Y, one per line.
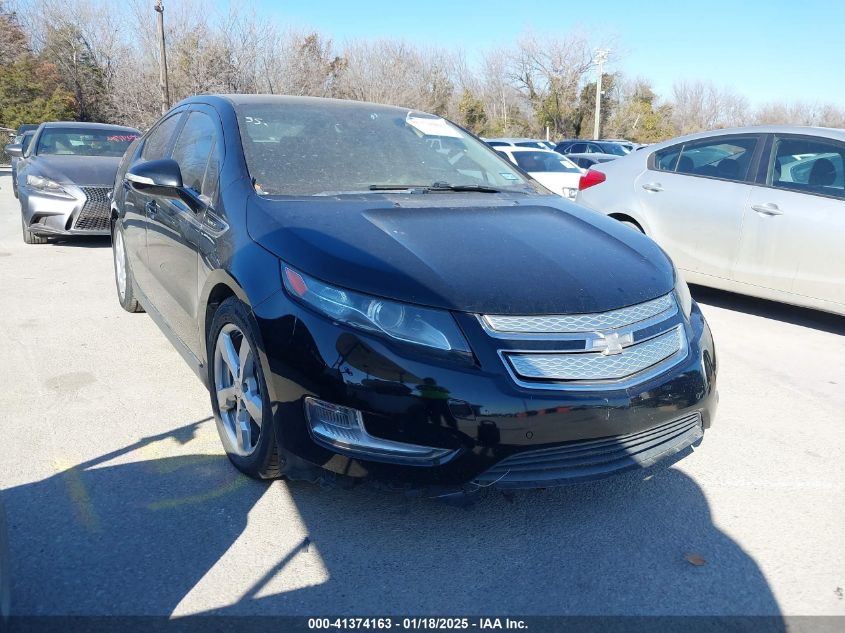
column 47, row 186
column 683, row 294
column 412, row 324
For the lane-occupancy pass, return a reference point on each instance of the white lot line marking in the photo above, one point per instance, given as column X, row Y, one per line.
column 204, row 448
column 84, row 508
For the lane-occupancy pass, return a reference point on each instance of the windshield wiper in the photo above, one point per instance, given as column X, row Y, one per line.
column 445, row 186
column 437, row 186
column 396, row 187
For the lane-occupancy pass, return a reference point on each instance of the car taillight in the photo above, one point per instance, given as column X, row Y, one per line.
column 592, row 177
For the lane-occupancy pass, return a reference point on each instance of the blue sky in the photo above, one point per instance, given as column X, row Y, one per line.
column 765, row 49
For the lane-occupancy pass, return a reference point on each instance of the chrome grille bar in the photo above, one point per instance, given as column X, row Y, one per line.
column 574, row 323
column 590, row 371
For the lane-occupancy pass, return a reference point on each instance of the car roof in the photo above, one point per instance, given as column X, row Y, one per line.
column 85, row 125
column 266, row 99
column 517, row 139
column 826, row 132
column 523, row 150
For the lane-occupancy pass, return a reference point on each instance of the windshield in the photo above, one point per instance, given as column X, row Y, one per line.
column 85, row 142
column 314, row 148
column 544, row 161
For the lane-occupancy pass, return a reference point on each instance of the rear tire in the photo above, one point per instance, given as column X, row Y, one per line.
column 124, row 281
column 237, row 385
column 31, row 238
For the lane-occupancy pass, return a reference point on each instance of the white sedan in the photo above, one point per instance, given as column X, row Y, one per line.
column 552, row 170
column 757, row 210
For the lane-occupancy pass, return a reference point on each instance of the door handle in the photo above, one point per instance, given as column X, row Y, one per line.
column 151, row 207
column 769, row 208
column 653, row 186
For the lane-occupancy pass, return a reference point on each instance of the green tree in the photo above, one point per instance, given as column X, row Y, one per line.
column 585, row 116
column 473, row 116
column 31, row 92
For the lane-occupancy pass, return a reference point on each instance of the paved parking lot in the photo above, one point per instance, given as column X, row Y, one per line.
column 120, row 500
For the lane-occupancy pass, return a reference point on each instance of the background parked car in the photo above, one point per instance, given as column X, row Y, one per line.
column 627, row 145
column 26, row 127
column 585, row 161
column 23, row 140
column 757, row 210
column 554, row 171
column 591, row 147
column 520, row 142
column 64, row 180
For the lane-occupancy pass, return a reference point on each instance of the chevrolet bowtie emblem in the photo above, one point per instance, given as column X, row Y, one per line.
column 612, row 343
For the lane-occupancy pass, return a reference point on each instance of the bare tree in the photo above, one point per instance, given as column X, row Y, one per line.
column 548, row 73
column 701, row 105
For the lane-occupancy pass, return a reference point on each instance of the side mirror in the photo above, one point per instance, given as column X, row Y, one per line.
column 14, row 149
column 157, row 177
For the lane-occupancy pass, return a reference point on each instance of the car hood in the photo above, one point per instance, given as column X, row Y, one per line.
column 77, row 170
column 529, row 256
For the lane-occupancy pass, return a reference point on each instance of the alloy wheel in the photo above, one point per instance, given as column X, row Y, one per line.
column 237, row 390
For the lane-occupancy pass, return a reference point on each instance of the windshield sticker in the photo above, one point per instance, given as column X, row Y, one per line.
column 432, row 126
column 508, row 175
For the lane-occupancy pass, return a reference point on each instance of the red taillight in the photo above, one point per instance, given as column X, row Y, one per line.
column 297, row 283
column 592, row 177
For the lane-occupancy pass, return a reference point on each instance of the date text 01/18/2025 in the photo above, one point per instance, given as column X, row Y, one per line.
column 416, row 623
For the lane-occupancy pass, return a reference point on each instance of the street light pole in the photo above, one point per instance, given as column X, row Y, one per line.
column 162, row 76
column 601, row 58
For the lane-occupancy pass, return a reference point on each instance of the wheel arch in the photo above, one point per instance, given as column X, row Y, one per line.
column 219, row 286
column 626, row 216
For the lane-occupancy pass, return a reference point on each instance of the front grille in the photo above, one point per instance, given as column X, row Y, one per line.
column 94, row 215
column 550, row 324
column 604, row 350
column 598, row 366
column 593, row 459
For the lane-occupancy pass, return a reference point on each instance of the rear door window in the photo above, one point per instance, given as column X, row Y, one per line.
column 723, row 157
column 808, row 165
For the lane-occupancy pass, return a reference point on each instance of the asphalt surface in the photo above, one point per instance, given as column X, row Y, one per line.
column 120, row 500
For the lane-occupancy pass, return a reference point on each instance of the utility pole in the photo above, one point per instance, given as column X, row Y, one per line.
column 162, row 76
column 601, row 58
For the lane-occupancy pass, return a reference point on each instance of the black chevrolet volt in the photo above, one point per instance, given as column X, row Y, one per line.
column 371, row 292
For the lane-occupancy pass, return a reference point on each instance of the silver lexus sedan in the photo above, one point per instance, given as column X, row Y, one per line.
column 756, row 210
column 65, row 176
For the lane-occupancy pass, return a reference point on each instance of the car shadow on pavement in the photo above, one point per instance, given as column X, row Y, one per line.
column 124, row 535
column 88, row 241
column 805, row 317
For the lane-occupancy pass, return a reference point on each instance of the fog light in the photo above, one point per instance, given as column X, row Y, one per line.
column 341, row 429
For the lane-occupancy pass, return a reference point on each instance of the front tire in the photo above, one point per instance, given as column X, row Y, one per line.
column 124, row 281
column 239, row 396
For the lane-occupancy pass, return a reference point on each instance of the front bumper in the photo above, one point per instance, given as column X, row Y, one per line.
column 499, row 433
column 86, row 213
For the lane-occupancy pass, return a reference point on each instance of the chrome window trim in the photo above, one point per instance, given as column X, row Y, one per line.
column 603, row 385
